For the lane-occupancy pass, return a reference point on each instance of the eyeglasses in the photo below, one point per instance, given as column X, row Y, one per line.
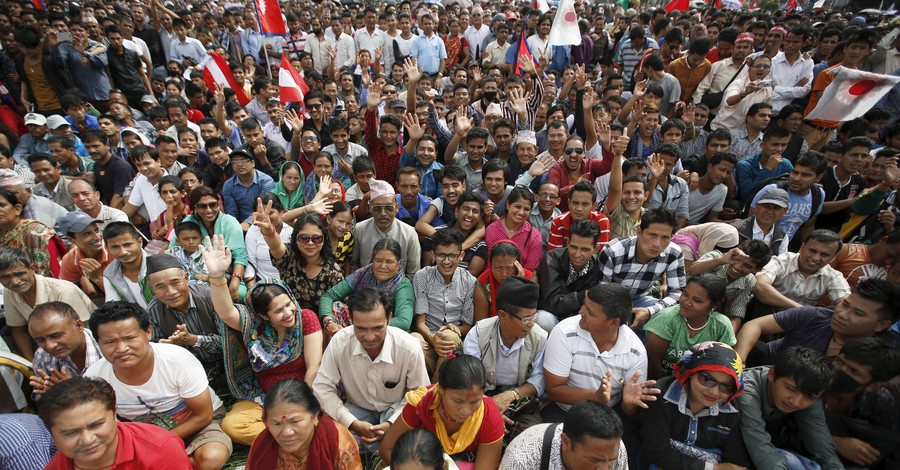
column 314, row 105
column 309, row 139
column 762, row 66
column 548, row 196
column 446, row 256
column 571, row 150
column 211, row 205
column 383, row 208
column 709, row 381
column 306, row 238
column 526, row 320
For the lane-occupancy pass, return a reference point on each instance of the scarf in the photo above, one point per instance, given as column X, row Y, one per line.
column 713, row 356
column 254, row 348
column 426, row 402
column 636, row 147
column 365, row 277
column 311, row 186
column 322, row 453
column 36, row 240
column 292, row 200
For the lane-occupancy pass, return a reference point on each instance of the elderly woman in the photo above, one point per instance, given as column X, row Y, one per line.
column 693, row 425
column 35, row 239
column 268, row 338
column 299, row 436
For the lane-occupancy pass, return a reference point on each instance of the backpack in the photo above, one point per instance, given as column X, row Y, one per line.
column 781, row 182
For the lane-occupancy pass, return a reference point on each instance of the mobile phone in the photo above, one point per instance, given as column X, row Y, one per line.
column 64, row 37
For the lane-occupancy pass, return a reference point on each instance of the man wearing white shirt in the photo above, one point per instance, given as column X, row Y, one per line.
column 317, row 44
column 371, row 38
column 791, row 74
column 145, row 192
column 539, row 42
column 186, row 51
column 476, row 34
column 346, row 47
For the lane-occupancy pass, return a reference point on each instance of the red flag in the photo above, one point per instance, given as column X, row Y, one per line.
column 292, row 87
column 270, row 20
column 677, row 5
column 791, row 5
column 39, row 4
column 217, row 72
column 524, row 51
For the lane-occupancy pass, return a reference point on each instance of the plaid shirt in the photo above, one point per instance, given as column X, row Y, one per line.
column 44, row 361
column 619, row 264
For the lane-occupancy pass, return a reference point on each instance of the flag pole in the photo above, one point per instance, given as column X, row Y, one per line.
column 268, row 65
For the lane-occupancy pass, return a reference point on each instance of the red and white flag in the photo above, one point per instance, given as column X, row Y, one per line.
column 541, row 5
column 677, row 5
column 217, row 72
column 851, row 94
column 564, row 31
column 292, row 87
column 270, row 19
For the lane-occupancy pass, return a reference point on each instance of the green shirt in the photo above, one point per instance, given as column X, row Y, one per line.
column 669, row 325
column 404, row 299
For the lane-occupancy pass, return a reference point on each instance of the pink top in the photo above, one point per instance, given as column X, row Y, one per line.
column 527, row 238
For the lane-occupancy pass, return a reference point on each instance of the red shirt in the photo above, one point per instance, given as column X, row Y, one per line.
column 297, row 369
column 69, row 270
column 386, row 166
column 560, row 227
column 141, row 447
column 491, row 430
column 591, row 168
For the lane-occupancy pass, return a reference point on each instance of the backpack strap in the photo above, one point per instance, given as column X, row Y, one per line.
column 547, row 445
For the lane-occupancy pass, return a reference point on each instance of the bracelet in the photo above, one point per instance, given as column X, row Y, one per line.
column 516, row 394
column 223, row 283
column 327, row 321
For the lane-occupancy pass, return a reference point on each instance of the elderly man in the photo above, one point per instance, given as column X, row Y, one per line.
column 65, row 347
column 181, row 313
column 34, row 207
column 374, row 363
column 511, row 347
column 383, row 224
column 23, row 290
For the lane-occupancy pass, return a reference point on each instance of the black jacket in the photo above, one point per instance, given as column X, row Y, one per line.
column 557, row 295
column 55, row 71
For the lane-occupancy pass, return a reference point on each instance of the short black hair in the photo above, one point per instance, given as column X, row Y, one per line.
column 825, row 236
column 810, row 370
column 880, row 357
column 115, row 229
column 659, row 215
column 776, row 132
column 11, row 257
column 118, row 311
column 615, row 300
column 884, row 293
column 758, row 251
column 76, row 391
column 368, row 299
column 817, row 161
column 719, row 157
column 362, row 164
column 447, row 237
column 42, row 157
column 187, row 227
column 852, row 143
column 587, row 229
column 583, row 186
column 453, row 173
column 590, row 419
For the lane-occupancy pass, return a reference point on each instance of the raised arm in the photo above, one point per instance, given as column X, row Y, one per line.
column 217, row 258
column 614, row 196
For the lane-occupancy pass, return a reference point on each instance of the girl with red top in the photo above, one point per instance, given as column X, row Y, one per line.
column 504, row 262
column 516, row 227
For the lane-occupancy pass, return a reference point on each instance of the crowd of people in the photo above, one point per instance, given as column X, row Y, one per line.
column 467, row 246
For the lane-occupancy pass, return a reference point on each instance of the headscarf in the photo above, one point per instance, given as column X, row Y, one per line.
column 254, row 348
column 322, row 453
column 365, row 277
column 426, row 402
column 292, row 200
column 697, row 240
column 712, row 356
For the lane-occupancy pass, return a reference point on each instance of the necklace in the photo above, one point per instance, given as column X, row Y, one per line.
column 448, row 418
column 686, row 322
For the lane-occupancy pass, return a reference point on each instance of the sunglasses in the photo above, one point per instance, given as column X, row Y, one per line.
column 383, row 208
column 309, row 139
column 212, row 205
column 306, row 238
column 709, row 381
column 314, row 105
column 762, row 66
column 571, row 150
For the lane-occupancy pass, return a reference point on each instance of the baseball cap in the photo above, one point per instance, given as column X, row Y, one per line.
column 397, row 103
column 74, row 222
column 56, row 121
column 239, row 153
column 776, row 196
column 149, row 99
column 36, row 119
column 511, row 15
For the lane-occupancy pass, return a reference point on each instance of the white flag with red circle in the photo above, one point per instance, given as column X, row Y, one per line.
column 564, row 31
column 851, row 94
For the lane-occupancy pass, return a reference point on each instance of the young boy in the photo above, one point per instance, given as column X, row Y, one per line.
column 440, row 212
column 186, row 250
column 342, row 149
column 781, row 400
column 76, row 113
column 358, row 194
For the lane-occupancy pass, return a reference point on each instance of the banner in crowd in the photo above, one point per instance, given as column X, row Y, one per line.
column 564, row 30
column 851, row 94
column 270, row 19
column 216, row 72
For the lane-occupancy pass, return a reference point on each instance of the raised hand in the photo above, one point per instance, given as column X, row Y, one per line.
column 411, row 66
column 320, row 207
column 332, row 52
column 463, row 121
column 476, row 75
column 637, row 111
column 688, row 114
column 325, row 185
column 294, row 119
column 526, row 64
column 656, row 165
column 374, row 97
column 216, row 255
column 589, row 100
column 580, row 76
column 261, row 218
column 640, row 89
column 517, row 101
column 411, row 123
column 621, row 144
column 638, row 393
column 541, row 165
column 219, row 95
column 604, row 134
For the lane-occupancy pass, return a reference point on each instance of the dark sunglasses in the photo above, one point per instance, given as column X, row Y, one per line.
column 383, row 208
column 571, row 150
column 709, row 381
column 212, row 205
column 306, row 238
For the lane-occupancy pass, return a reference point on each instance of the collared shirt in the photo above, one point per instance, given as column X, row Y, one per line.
column 85, row 165
column 525, row 451
column 318, row 48
column 372, row 384
column 749, row 173
column 430, row 186
column 621, row 225
column 27, row 444
column 766, row 238
column 367, row 234
column 441, row 303
column 572, row 353
column 738, row 292
column 294, row 44
column 146, row 194
column 209, row 343
column 784, row 271
column 190, row 48
column 47, row 289
column 508, row 360
column 29, row 145
column 363, row 39
column 258, row 111
column 619, row 263
column 785, row 76
column 629, row 57
column 45, row 361
column 410, row 217
column 108, row 214
column 742, row 146
column 353, row 152
column 346, row 51
column 43, row 210
column 537, row 220
column 732, row 117
column 676, row 197
column 59, row 194
column 429, row 51
column 716, row 80
column 240, row 199
column 688, row 77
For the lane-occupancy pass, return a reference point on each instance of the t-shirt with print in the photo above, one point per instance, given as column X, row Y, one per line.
column 669, row 325
column 799, row 209
column 177, row 376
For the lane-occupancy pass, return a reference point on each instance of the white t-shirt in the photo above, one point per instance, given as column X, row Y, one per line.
column 700, row 204
column 146, row 194
column 177, row 375
column 258, row 253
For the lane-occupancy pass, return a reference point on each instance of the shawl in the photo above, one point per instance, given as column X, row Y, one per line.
column 426, row 402
column 37, row 241
column 292, row 200
column 365, row 277
column 636, row 145
column 486, row 281
column 254, row 348
column 322, row 453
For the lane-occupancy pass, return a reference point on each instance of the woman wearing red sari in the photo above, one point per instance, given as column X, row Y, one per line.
column 457, row 47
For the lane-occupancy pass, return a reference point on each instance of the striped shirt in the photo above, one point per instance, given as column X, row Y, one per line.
column 619, row 263
column 571, row 352
column 533, row 101
column 561, row 226
column 25, row 444
column 443, row 304
column 45, row 361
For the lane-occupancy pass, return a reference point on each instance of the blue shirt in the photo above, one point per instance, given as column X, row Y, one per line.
column 25, row 443
column 799, row 209
column 430, row 187
column 749, row 173
column 422, row 204
column 28, row 145
column 429, row 51
column 240, row 200
column 90, row 122
column 190, row 48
